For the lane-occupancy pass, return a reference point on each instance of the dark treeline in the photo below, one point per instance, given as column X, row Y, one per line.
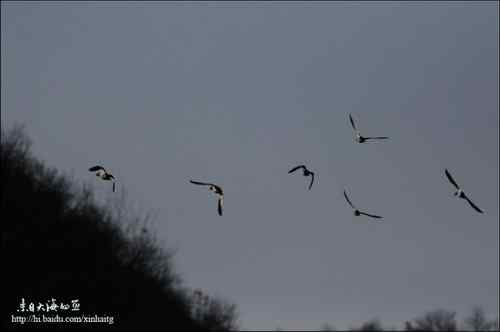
column 59, row 243
column 436, row 320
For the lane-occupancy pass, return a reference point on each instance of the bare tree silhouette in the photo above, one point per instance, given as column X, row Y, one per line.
column 371, row 325
column 477, row 321
column 437, row 320
column 442, row 320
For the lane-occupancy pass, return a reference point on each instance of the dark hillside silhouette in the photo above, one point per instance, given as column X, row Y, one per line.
column 60, row 244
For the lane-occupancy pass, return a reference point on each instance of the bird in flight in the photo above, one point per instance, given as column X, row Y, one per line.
column 356, row 211
column 460, row 193
column 103, row 174
column 306, row 172
column 216, row 189
column 362, row 139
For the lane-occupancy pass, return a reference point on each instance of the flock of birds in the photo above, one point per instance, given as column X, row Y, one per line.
column 102, row 173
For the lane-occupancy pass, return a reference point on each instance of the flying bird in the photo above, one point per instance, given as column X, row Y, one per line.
column 216, row 189
column 356, row 211
column 103, row 174
column 305, row 172
column 460, row 193
column 359, row 138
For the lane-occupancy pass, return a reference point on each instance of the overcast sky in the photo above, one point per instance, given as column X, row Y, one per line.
column 237, row 94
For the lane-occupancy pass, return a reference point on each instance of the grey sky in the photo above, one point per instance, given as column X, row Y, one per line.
column 237, row 94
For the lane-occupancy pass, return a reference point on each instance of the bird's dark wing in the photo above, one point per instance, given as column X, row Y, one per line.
column 348, row 200
column 370, row 215
column 219, row 206
column 113, row 186
column 450, row 178
column 352, row 122
column 96, row 168
column 312, row 180
column 295, row 168
column 377, row 137
column 200, row 183
column 473, row 205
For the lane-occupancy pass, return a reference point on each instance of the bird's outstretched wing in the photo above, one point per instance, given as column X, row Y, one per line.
column 96, row 168
column 352, row 122
column 295, row 168
column 200, row 183
column 370, row 215
column 219, row 205
column 473, row 205
column 312, row 180
column 377, row 137
column 348, row 200
column 450, row 178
